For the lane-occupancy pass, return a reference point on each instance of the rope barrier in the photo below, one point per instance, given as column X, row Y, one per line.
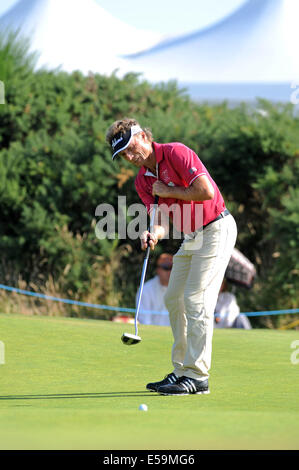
column 127, row 310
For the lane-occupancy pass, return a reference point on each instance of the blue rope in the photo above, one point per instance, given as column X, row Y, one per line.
column 270, row 312
column 123, row 309
column 66, row 301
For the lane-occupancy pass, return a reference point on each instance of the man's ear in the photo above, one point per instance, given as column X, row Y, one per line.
column 144, row 136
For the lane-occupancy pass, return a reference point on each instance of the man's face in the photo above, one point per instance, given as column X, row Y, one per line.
column 163, row 270
column 138, row 150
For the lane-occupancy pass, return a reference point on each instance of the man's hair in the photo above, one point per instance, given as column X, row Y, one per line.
column 123, row 125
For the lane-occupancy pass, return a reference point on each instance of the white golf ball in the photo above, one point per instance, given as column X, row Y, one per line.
column 143, row 407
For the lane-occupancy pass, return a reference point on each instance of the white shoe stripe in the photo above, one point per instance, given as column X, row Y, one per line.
column 191, row 385
column 185, row 386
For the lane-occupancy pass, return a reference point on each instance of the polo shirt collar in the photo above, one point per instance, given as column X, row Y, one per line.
column 159, row 157
column 147, row 172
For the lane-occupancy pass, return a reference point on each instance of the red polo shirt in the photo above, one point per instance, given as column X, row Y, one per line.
column 178, row 165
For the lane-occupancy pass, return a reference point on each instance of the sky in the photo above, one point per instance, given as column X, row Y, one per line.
column 168, row 17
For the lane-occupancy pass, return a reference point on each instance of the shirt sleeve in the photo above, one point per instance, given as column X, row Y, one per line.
column 187, row 163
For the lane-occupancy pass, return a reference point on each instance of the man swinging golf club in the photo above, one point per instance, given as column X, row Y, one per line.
column 175, row 173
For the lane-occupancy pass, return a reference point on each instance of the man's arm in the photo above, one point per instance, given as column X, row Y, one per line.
column 200, row 190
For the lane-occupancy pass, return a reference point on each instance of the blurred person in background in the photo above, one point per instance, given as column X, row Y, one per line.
column 227, row 311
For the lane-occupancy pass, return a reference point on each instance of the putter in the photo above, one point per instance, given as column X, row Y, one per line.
column 128, row 338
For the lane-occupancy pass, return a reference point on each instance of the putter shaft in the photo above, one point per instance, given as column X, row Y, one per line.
column 145, row 262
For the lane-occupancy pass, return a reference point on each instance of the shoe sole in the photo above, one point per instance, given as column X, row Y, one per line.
column 151, row 389
column 204, row 392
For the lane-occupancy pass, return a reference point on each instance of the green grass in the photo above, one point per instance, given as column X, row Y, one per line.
column 71, row 384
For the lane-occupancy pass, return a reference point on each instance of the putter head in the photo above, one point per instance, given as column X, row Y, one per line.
column 129, row 339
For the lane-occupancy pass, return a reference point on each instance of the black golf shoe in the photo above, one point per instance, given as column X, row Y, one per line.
column 185, row 386
column 169, row 379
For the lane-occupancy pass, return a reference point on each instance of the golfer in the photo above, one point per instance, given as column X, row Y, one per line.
column 176, row 174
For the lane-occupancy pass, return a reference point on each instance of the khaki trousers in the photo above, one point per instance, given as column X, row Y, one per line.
column 192, row 293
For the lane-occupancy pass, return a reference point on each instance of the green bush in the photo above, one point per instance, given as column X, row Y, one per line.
column 55, row 168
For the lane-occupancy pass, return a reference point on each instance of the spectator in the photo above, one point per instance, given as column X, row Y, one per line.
column 227, row 311
column 152, row 298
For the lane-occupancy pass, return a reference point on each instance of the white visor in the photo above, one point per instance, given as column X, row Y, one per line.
column 122, row 140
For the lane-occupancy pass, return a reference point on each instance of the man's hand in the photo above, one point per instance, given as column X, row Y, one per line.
column 161, row 189
column 148, row 238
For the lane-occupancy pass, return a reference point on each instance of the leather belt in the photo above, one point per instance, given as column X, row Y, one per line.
column 220, row 216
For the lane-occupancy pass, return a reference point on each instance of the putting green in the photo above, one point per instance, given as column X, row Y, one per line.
column 71, row 384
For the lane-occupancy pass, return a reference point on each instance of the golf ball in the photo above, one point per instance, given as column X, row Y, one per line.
column 143, row 407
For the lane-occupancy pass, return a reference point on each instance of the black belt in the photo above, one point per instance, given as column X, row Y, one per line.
column 220, row 216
